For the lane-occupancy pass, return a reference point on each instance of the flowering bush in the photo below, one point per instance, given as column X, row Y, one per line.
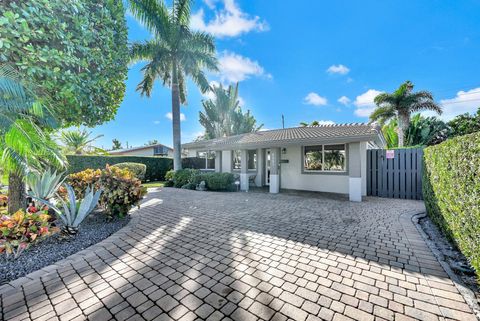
column 3, row 200
column 121, row 189
column 22, row 229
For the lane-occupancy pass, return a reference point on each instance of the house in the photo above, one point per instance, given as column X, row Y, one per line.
column 325, row 158
column 150, row 150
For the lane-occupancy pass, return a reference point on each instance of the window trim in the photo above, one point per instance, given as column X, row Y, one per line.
column 249, row 170
column 233, row 160
column 324, row 172
column 207, row 152
column 255, row 160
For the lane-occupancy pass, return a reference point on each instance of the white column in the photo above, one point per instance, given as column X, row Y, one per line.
column 218, row 161
column 354, row 172
column 243, row 171
column 260, row 167
column 274, row 170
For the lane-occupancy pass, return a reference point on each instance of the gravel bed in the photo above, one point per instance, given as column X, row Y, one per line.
column 93, row 230
column 457, row 261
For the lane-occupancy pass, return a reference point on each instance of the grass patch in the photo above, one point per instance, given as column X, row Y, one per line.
column 154, row 184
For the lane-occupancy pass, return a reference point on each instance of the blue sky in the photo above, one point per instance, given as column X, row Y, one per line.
column 316, row 60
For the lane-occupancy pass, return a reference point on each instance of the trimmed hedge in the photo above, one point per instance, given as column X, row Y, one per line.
column 451, row 190
column 137, row 169
column 190, row 178
column 156, row 166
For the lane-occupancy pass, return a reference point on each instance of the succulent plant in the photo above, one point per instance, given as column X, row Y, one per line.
column 44, row 186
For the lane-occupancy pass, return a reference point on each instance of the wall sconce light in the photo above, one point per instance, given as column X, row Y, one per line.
column 284, row 150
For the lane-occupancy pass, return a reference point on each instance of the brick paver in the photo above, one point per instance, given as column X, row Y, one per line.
column 190, row 255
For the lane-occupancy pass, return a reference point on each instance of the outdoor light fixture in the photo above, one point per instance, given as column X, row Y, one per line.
column 284, row 150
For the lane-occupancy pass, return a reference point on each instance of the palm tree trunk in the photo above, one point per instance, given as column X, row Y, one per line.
column 403, row 124
column 177, row 145
column 16, row 193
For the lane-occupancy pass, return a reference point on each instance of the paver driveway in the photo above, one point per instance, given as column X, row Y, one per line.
column 244, row 256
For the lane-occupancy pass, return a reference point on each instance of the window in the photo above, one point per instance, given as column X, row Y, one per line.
column 209, row 158
column 252, row 159
column 237, row 159
column 325, row 158
column 160, row 151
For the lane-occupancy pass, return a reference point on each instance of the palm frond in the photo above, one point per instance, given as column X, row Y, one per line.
column 382, row 114
column 153, row 14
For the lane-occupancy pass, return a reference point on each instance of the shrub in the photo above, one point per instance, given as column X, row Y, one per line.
column 191, row 186
column 170, row 175
column 20, row 230
column 3, row 200
column 157, row 167
column 219, row 181
column 137, row 169
column 451, row 190
column 121, row 189
column 184, row 176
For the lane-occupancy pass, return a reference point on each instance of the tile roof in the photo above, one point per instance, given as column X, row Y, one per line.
column 310, row 134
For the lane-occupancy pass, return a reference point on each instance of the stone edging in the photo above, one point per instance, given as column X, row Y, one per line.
column 17, row 283
column 467, row 294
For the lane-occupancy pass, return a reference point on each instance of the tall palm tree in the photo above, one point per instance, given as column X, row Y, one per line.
column 24, row 144
column 401, row 104
column 79, row 141
column 174, row 53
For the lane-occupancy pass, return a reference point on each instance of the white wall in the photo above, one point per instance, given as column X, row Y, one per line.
column 363, row 157
column 226, row 161
column 140, row 152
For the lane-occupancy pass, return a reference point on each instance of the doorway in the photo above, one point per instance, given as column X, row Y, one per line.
column 267, row 167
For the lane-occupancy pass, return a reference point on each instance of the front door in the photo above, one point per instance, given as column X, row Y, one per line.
column 267, row 167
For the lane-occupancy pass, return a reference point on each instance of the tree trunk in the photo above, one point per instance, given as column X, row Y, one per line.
column 177, row 145
column 16, row 193
column 403, row 124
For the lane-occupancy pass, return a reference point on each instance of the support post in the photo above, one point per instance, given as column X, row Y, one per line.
column 274, row 170
column 218, row 161
column 355, row 172
column 244, row 170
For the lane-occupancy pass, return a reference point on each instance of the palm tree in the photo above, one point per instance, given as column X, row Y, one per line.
column 401, row 104
column 79, row 141
column 223, row 116
column 24, row 145
column 174, row 53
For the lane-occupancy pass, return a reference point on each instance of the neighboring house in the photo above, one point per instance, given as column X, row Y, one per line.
column 328, row 158
column 151, row 150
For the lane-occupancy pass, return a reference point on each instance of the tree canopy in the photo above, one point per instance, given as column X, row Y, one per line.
column 223, row 115
column 75, row 53
column 465, row 124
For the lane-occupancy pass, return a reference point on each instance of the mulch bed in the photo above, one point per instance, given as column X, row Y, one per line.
column 94, row 229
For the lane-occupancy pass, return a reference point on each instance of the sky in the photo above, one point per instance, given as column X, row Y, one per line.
column 315, row 60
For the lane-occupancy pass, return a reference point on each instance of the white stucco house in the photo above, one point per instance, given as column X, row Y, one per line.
column 150, row 150
column 326, row 158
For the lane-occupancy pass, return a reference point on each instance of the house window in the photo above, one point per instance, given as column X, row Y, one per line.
column 237, row 159
column 252, row 159
column 160, row 151
column 209, row 158
column 325, row 158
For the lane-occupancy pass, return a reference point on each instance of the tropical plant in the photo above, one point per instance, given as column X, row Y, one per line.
column 75, row 52
column 121, row 189
column 24, row 142
column 422, row 131
column 303, row 124
column 401, row 104
column 79, row 141
column 223, row 116
column 174, row 53
column 44, row 186
column 20, row 230
column 137, row 169
column 73, row 212
column 465, row 124
column 116, row 144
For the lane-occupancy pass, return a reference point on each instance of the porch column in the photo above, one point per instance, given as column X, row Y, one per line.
column 354, row 172
column 260, row 167
column 243, row 170
column 218, row 161
column 274, row 170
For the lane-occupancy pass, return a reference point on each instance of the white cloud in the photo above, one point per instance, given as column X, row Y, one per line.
column 235, row 68
column 182, row 116
column 365, row 104
column 338, row 69
column 315, row 99
column 326, row 122
column 344, row 100
column 156, row 122
column 464, row 102
column 228, row 22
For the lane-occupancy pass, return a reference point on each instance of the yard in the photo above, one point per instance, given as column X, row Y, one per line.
column 250, row 256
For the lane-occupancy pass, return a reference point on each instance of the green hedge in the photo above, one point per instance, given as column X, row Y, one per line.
column 451, row 190
column 156, row 166
column 136, row 169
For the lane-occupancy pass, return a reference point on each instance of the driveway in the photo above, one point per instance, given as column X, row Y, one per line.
column 190, row 255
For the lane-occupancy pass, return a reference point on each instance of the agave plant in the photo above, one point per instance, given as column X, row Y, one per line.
column 73, row 211
column 44, row 186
